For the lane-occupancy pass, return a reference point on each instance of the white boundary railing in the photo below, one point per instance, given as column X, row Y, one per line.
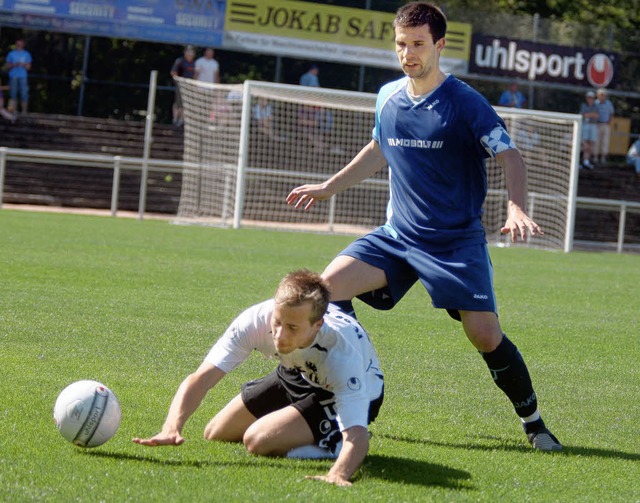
column 115, row 162
column 593, row 203
column 118, row 163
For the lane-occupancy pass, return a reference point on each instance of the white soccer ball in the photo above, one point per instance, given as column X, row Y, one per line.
column 87, row 413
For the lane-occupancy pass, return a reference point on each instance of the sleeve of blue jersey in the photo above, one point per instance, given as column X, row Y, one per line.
column 383, row 95
column 491, row 129
column 486, row 126
column 498, row 140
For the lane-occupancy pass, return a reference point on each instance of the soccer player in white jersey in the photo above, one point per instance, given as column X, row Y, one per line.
column 318, row 402
column 435, row 132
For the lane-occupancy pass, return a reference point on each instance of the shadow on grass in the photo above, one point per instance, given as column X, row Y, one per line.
column 387, row 468
column 409, row 471
column 246, row 461
column 490, row 443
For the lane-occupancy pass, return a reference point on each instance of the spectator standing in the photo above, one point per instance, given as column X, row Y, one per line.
column 263, row 115
column 207, row 67
column 589, row 112
column 606, row 112
column 512, row 97
column 19, row 63
column 310, row 78
column 633, row 156
column 316, row 122
column 182, row 67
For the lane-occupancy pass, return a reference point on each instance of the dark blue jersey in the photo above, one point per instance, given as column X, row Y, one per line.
column 436, row 149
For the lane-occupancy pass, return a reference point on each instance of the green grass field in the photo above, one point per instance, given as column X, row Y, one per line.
column 137, row 305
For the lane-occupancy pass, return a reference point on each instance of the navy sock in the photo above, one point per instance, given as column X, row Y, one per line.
column 510, row 374
column 534, row 426
column 346, row 306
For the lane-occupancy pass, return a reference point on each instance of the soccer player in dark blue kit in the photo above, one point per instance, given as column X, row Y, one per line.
column 435, row 132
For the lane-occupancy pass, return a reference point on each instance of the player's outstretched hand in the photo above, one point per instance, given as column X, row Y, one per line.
column 519, row 224
column 307, row 195
column 331, row 479
column 161, row 439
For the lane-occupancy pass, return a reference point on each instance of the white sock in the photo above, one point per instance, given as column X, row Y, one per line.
column 530, row 419
column 311, row 452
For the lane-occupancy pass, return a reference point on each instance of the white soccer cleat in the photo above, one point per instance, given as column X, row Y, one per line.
column 313, row 451
column 544, row 440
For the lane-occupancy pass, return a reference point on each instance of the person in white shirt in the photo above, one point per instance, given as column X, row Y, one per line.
column 207, row 68
column 633, row 156
column 318, row 402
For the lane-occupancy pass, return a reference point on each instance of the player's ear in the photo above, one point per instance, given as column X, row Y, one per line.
column 440, row 44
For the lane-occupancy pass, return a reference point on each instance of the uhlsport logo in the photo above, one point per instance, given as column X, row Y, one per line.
column 599, row 70
column 535, row 61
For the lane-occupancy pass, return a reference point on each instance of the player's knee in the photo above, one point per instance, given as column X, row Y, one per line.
column 256, row 442
column 210, row 432
column 482, row 329
column 485, row 343
column 214, row 431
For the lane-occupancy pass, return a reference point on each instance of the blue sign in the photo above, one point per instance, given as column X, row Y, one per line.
column 199, row 22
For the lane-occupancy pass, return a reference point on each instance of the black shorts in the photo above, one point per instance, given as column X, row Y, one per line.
column 284, row 387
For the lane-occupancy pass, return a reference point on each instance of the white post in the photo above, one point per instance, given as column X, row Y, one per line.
column 115, row 186
column 148, row 138
column 332, row 212
column 621, row 226
column 3, row 164
column 243, row 154
column 573, row 186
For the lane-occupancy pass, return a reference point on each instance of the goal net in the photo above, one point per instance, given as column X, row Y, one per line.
column 246, row 146
column 550, row 145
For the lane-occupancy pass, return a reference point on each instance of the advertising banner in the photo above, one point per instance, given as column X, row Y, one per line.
column 535, row 61
column 197, row 22
column 329, row 33
column 279, row 27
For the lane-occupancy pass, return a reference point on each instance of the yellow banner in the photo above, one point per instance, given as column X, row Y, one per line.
column 326, row 23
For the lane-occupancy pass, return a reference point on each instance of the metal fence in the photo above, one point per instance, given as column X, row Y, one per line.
column 119, row 163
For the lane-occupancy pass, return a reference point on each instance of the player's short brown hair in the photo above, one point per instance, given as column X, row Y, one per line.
column 302, row 286
column 416, row 14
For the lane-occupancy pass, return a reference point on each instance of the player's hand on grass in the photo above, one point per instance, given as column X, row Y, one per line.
column 331, row 479
column 173, row 438
column 307, row 195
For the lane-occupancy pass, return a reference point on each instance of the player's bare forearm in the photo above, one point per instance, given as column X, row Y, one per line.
column 355, row 445
column 185, row 402
column 367, row 162
column 515, row 172
column 518, row 223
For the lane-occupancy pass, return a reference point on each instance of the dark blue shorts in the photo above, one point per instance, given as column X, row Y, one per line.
column 460, row 279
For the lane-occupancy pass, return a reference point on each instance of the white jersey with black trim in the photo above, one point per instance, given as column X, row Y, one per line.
column 341, row 359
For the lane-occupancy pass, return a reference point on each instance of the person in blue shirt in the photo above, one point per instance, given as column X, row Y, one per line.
column 435, row 132
column 589, row 112
column 19, row 63
column 606, row 111
column 310, row 78
column 512, row 97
